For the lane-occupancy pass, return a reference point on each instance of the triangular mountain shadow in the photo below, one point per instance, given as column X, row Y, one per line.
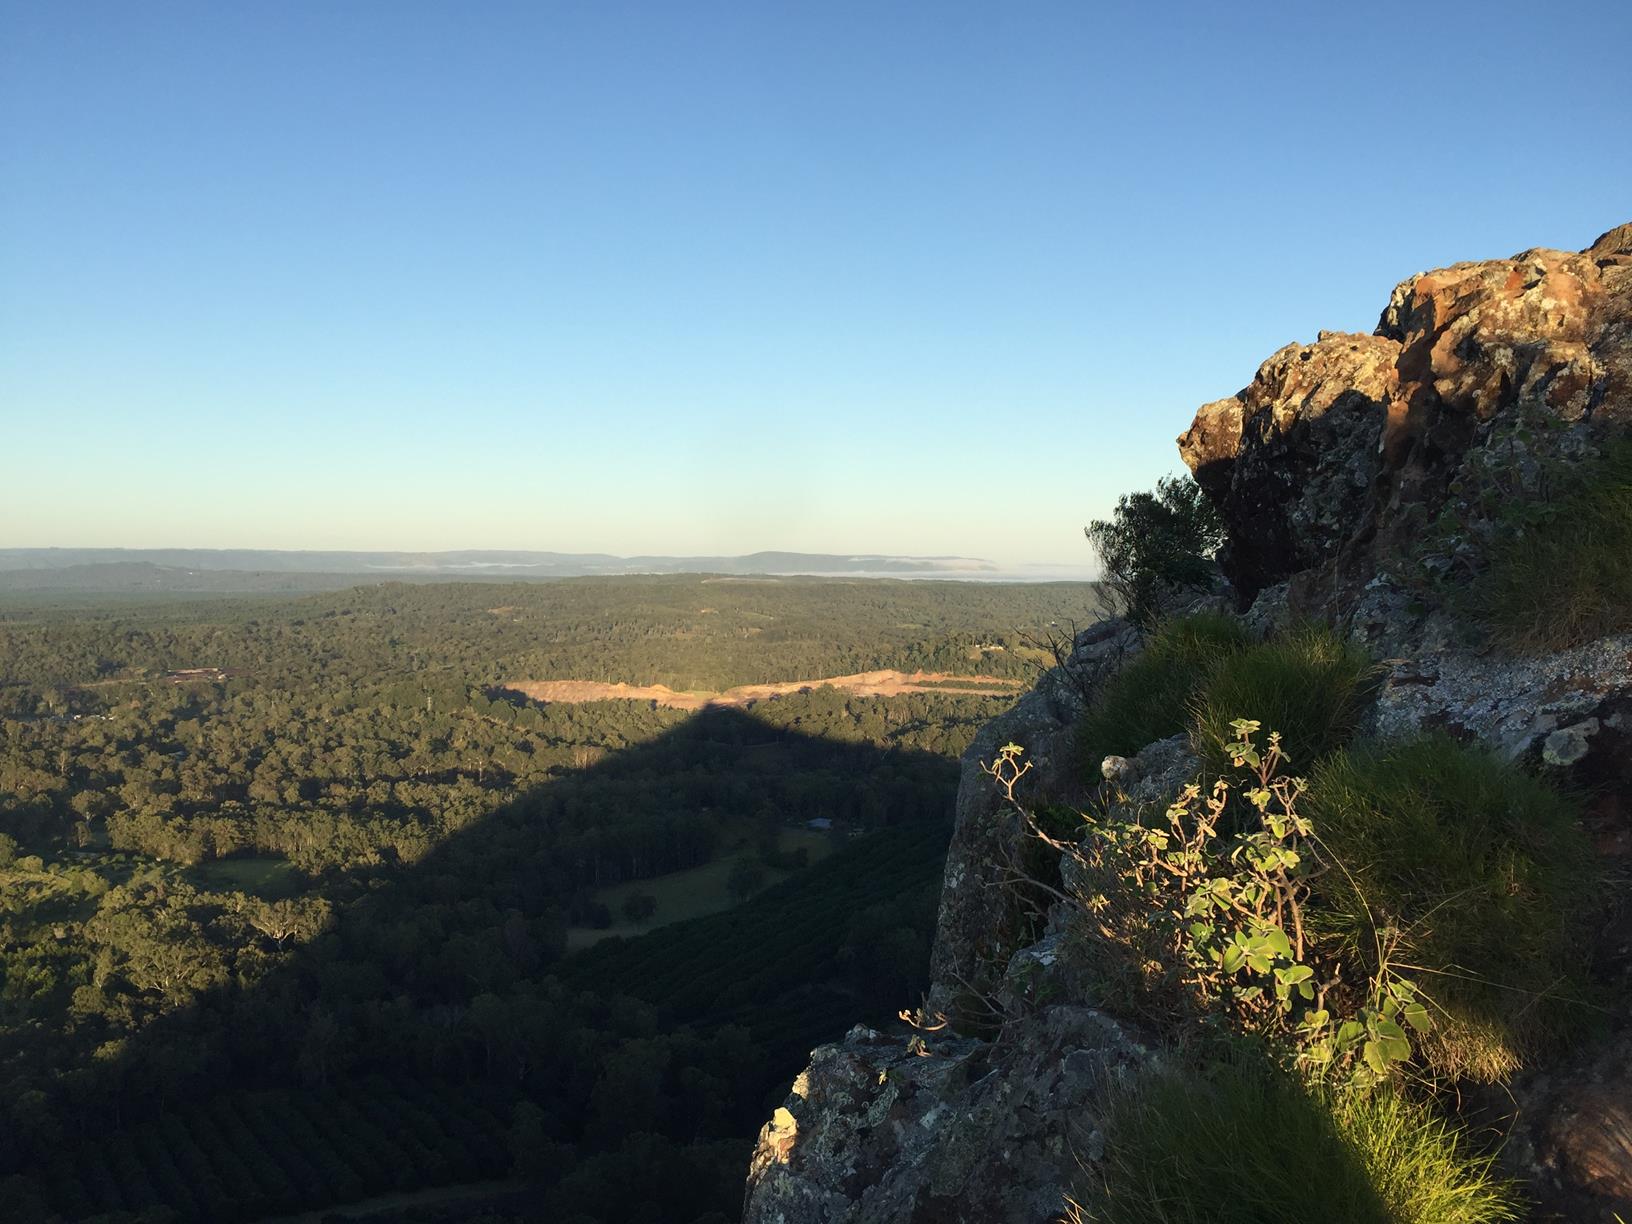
column 434, row 1033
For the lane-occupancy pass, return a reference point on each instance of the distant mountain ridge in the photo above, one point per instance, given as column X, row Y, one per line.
column 211, row 569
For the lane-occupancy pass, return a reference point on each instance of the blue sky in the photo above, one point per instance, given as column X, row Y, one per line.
column 708, row 277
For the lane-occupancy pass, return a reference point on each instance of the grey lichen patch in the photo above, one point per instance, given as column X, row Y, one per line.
column 1568, row 745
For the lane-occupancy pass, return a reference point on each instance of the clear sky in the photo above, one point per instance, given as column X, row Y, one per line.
column 690, row 277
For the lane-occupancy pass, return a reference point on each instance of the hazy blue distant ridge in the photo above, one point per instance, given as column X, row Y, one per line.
column 183, row 569
column 473, row 561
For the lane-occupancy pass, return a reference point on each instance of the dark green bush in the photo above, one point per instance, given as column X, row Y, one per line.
column 1478, row 870
column 1564, row 576
column 1149, row 699
column 1308, row 683
column 1240, row 1143
column 1156, row 543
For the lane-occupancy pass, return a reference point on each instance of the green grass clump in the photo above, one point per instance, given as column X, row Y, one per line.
column 1149, row 699
column 1565, row 578
column 1243, row 1144
column 1419, row 1164
column 1308, row 683
column 1479, row 870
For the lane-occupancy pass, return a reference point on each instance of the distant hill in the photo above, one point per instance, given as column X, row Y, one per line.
column 247, row 570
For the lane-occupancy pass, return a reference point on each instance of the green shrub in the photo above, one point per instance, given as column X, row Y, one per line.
column 1196, row 923
column 1240, row 1143
column 1149, row 699
column 1156, row 543
column 1477, row 870
column 1565, row 577
column 1308, row 683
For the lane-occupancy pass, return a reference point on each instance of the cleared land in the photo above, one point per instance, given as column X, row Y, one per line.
column 862, row 684
column 693, row 892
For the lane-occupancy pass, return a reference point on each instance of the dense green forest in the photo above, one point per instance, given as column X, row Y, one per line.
column 288, row 882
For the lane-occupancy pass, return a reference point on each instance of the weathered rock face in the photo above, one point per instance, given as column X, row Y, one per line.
column 1325, row 466
column 980, row 919
column 1340, row 444
column 993, row 1115
column 879, row 1131
column 1292, row 460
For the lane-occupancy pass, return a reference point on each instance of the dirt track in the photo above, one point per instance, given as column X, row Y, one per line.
column 863, row 684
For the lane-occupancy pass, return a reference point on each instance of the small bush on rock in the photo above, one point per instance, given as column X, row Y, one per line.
column 1309, row 682
column 1200, row 923
column 1475, row 874
column 1564, row 577
column 1155, row 544
column 1150, row 698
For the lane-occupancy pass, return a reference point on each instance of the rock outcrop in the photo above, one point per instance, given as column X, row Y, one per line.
column 1335, row 453
column 979, row 913
column 990, row 1111
column 1327, row 464
column 882, row 1129
column 1351, row 439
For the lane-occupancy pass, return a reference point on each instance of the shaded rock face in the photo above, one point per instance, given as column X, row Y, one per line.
column 1292, row 460
column 881, row 1131
column 1342, row 443
column 1571, row 1141
column 994, row 1114
column 980, row 918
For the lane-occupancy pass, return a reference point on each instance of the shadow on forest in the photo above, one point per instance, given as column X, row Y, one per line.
column 435, row 1033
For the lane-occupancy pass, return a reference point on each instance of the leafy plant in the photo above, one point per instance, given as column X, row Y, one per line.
column 1156, row 543
column 1207, row 929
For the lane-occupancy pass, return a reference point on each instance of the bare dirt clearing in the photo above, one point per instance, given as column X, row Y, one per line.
column 862, row 684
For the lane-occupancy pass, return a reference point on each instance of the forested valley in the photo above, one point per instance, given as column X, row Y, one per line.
column 302, row 906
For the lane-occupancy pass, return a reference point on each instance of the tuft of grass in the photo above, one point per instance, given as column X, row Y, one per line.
column 1309, row 683
column 1478, row 871
column 1149, row 699
column 1242, row 1143
column 1566, row 578
column 1420, row 1163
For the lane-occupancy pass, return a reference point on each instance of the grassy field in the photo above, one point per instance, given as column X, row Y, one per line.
column 691, row 893
column 266, row 877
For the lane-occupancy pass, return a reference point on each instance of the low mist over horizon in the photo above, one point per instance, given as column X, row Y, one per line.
column 117, row 570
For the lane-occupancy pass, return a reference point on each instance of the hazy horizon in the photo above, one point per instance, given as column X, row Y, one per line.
column 920, row 280
column 522, row 564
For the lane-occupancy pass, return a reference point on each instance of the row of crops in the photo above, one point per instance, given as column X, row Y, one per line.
column 249, row 1155
column 741, row 966
column 771, row 965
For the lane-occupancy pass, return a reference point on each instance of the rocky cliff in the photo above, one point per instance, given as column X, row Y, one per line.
column 1325, row 469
